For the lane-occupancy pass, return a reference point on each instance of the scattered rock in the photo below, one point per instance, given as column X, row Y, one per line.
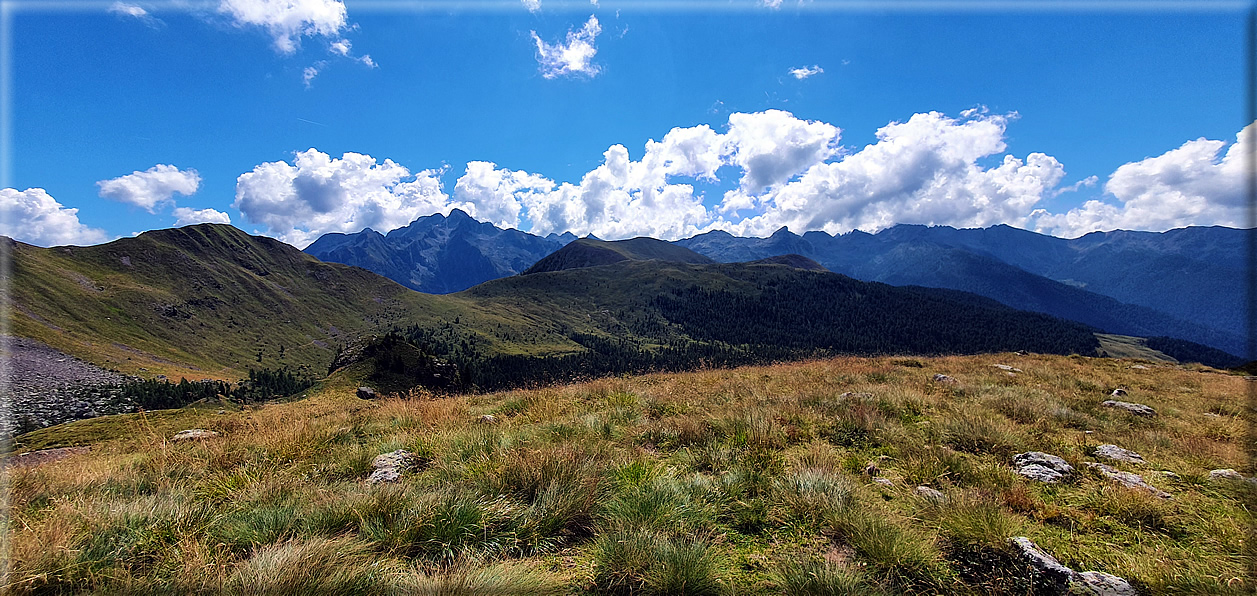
column 930, row 494
column 367, row 393
column 1058, row 576
column 887, row 482
column 222, row 411
column 946, row 380
column 1119, row 392
column 1170, row 475
column 1116, row 453
column 1127, row 479
column 1043, row 467
column 389, row 467
column 1225, row 474
column 871, row 469
column 1139, row 367
column 1006, row 367
column 193, row 434
column 1100, row 583
column 854, row 395
column 1212, row 415
column 1040, row 473
column 488, row 419
column 1136, row 409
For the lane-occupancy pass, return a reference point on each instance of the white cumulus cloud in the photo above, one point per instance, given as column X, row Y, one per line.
column 1189, row 185
column 152, row 187
column 572, row 58
column 804, row 72
column 531, row 5
column 34, row 217
column 921, row 171
column 185, row 216
column 287, row 21
column 317, row 194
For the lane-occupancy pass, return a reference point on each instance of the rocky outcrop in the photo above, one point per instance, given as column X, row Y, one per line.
column 367, row 393
column 1133, row 408
column 930, row 494
column 1127, row 479
column 1056, row 578
column 1116, row 453
column 193, row 434
column 944, row 379
column 389, row 467
column 1043, row 467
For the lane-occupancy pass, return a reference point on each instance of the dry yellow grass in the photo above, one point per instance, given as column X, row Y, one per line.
column 737, row 455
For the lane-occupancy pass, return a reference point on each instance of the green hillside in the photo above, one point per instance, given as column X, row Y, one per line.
column 208, row 301
column 588, row 252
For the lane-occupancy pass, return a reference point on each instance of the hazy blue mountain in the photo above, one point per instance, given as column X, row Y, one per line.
column 439, row 254
column 1186, row 283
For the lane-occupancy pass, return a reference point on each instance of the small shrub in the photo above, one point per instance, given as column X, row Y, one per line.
column 814, row 495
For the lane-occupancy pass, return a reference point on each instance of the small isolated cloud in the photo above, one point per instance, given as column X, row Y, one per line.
column 307, row 75
column 1189, row 185
column 773, row 4
column 804, row 72
column 572, row 58
column 531, row 5
column 34, row 217
column 367, row 61
column 317, row 194
column 287, row 21
column 186, row 217
column 136, row 12
column 340, row 47
column 152, row 187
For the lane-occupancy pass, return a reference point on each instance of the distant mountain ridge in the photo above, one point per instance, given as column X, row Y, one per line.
column 590, row 252
column 438, row 254
column 1185, row 283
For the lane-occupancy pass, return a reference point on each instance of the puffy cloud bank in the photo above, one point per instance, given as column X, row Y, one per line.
column 34, row 217
column 780, row 170
column 317, row 194
column 151, row 188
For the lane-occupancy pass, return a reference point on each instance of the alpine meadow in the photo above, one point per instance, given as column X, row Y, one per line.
column 628, row 298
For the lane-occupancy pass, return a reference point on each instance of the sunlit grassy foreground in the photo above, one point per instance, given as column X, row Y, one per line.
column 717, row 482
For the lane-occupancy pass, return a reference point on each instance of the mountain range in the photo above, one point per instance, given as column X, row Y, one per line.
column 439, row 254
column 210, row 301
column 1185, row 283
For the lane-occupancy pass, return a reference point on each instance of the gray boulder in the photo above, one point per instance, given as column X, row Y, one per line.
column 1042, row 467
column 944, row 379
column 1116, row 453
column 887, row 482
column 1127, row 479
column 1225, row 474
column 367, row 393
column 930, row 494
column 193, row 434
column 1057, row 576
column 1119, row 392
column 1136, row 409
column 1100, row 583
column 390, row 466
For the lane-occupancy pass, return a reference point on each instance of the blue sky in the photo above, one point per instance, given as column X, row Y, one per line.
column 537, row 114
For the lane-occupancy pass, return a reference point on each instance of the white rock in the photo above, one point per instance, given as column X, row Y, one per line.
column 1127, row 479
column 1056, row 573
column 1225, row 474
column 193, row 434
column 1136, row 409
column 930, row 494
column 1116, row 453
column 1100, row 583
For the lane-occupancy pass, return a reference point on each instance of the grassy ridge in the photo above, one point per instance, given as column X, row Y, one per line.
column 714, row 482
column 208, row 301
